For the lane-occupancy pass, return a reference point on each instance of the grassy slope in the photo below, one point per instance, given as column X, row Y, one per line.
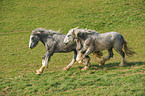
column 18, row 63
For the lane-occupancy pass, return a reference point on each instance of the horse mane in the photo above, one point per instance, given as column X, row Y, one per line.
column 43, row 30
column 88, row 31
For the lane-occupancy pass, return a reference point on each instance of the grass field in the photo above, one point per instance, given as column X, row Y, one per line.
column 18, row 63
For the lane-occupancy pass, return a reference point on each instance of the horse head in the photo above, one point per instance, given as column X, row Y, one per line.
column 71, row 36
column 34, row 39
column 40, row 34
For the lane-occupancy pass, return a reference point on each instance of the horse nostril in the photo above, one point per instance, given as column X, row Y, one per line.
column 30, row 47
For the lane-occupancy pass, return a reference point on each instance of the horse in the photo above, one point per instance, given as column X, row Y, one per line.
column 53, row 42
column 80, row 42
column 98, row 42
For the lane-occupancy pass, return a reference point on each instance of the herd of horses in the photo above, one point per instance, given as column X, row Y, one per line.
column 82, row 42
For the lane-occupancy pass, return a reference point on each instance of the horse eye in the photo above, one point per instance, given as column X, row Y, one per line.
column 69, row 35
column 32, row 37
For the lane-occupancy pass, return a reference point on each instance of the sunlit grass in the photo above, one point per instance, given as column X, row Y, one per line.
column 18, row 63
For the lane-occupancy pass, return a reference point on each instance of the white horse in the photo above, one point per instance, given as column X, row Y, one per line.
column 98, row 42
column 53, row 42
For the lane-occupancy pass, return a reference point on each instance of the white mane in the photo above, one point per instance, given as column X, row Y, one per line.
column 84, row 30
column 45, row 31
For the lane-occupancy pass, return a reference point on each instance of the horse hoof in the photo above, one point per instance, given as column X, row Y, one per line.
column 85, row 68
column 65, row 68
column 80, row 62
column 38, row 72
column 121, row 65
column 101, row 64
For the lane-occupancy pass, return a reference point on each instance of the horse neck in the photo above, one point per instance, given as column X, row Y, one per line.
column 81, row 40
column 43, row 38
column 79, row 43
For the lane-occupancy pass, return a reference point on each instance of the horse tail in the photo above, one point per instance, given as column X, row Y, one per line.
column 127, row 50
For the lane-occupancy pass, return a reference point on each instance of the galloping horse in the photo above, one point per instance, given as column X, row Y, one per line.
column 98, row 42
column 53, row 42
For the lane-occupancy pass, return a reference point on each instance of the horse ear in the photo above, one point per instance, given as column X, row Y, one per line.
column 38, row 33
column 80, row 34
column 76, row 33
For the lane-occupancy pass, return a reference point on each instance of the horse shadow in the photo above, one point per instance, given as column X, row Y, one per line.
column 112, row 66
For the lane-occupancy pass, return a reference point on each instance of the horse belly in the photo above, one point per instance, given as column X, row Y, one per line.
column 106, row 40
column 99, row 46
column 64, row 48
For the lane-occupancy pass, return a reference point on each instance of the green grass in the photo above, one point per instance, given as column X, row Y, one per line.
column 18, row 63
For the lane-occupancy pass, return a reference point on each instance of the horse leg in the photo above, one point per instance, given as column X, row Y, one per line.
column 110, row 54
column 89, row 51
column 86, row 59
column 86, row 44
column 72, row 62
column 43, row 59
column 80, row 54
column 86, row 62
column 123, row 61
column 79, row 57
column 44, row 62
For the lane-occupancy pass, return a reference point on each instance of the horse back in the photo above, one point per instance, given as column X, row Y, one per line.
column 107, row 40
column 60, row 46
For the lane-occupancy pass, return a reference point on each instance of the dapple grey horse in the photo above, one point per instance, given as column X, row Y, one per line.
column 72, row 37
column 53, row 42
column 99, row 42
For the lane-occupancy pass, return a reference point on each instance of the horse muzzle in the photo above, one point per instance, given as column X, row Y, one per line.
column 31, row 46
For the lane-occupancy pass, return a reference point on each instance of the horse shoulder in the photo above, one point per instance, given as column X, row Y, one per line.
column 79, row 44
column 88, row 41
column 50, row 42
